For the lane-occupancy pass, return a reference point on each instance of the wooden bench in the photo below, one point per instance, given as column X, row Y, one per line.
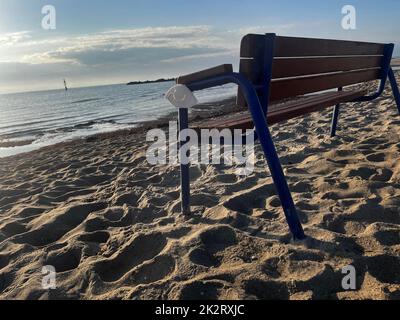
column 282, row 78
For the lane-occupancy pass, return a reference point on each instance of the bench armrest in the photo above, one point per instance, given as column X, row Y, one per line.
column 205, row 74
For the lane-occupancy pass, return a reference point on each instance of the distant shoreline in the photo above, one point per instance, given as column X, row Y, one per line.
column 133, row 83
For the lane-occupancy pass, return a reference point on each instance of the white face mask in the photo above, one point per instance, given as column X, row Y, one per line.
column 181, row 97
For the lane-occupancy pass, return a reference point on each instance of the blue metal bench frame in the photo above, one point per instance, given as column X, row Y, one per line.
column 258, row 106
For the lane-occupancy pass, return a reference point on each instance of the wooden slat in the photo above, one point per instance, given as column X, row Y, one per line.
column 277, row 116
column 252, row 70
column 204, row 74
column 293, row 67
column 281, row 89
column 305, row 47
column 312, row 99
column 252, row 44
column 283, row 112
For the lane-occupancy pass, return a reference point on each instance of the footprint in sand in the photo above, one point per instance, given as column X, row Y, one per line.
column 266, row 290
column 385, row 268
column 343, row 195
column 306, row 255
column 388, row 237
column 29, row 212
column 200, row 290
column 218, row 238
column 6, row 279
column 212, row 241
column 114, row 214
column 4, row 261
column 203, row 257
column 371, row 213
column 227, row 178
column 61, row 222
column 376, row 157
column 12, row 228
column 93, row 180
column 65, row 260
column 62, row 196
column 363, row 172
column 130, row 199
column 246, row 201
column 10, row 197
column 177, row 233
column 149, row 272
column 382, row 175
column 140, row 249
column 96, row 224
column 95, row 237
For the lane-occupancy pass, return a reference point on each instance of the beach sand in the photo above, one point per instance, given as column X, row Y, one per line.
column 110, row 223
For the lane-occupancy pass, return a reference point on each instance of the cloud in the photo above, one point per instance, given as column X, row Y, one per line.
column 90, row 49
column 40, row 59
column 197, row 56
column 157, row 43
column 279, row 29
column 11, row 39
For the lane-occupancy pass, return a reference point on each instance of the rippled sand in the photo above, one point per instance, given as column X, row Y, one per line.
column 110, row 224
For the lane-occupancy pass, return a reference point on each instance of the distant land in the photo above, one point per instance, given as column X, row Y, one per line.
column 149, row 81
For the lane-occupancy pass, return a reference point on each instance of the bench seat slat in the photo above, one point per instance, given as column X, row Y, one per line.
column 281, row 107
column 283, row 112
column 231, row 120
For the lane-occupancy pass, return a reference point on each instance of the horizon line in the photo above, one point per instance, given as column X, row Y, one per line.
column 83, row 87
column 119, row 83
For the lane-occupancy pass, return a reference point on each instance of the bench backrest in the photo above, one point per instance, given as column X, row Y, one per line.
column 302, row 65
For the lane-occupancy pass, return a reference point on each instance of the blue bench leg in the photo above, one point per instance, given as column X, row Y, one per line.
column 335, row 118
column 185, row 174
column 281, row 185
column 395, row 88
column 276, row 171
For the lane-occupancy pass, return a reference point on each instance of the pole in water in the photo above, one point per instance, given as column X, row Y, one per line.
column 65, row 85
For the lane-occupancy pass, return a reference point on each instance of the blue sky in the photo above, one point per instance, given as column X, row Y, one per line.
column 101, row 42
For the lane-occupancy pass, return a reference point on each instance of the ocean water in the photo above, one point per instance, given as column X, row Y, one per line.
column 38, row 119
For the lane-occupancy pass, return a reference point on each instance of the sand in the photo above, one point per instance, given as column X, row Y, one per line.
column 396, row 62
column 110, row 223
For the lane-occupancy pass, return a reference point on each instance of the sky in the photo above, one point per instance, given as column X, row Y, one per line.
column 105, row 42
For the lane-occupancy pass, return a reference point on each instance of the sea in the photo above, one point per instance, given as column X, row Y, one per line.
column 31, row 120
